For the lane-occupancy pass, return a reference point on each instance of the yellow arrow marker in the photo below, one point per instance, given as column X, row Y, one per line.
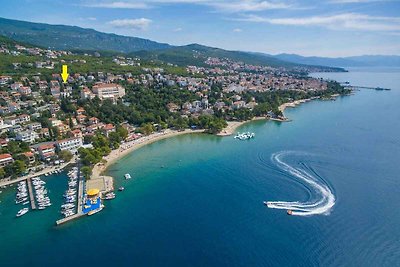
column 64, row 74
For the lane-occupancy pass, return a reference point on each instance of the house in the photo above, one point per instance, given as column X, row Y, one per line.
column 3, row 142
column 35, row 126
column 16, row 86
column 76, row 133
column 44, row 133
column 30, row 156
column 71, row 144
column 27, row 136
column 87, row 94
column 81, row 118
column 13, row 107
column 93, row 120
column 54, row 108
column 5, row 159
column 54, row 122
column 25, row 90
column 108, row 128
column 238, row 104
column 23, row 118
column 80, row 111
column 63, row 128
column 11, row 120
column 46, row 151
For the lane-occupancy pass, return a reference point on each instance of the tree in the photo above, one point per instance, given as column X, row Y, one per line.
column 147, row 129
column 65, row 155
column 122, row 132
column 86, row 172
column 2, row 173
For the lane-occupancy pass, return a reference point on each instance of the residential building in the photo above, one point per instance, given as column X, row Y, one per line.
column 27, row 136
column 5, row 159
column 46, row 151
column 71, row 144
column 108, row 91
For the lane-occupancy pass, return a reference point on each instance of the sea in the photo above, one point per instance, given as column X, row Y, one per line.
column 198, row 200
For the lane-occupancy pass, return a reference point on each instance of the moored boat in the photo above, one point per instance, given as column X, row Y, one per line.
column 22, row 212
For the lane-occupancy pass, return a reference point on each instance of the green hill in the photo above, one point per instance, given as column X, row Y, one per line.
column 71, row 37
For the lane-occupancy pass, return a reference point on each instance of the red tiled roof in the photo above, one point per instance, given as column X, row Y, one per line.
column 5, row 156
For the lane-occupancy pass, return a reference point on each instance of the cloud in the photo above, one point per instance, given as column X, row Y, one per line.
column 122, row 5
column 346, row 21
column 237, row 30
column 136, row 24
column 220, row 5
column 357, row 1
column 177, row 29
column 248, row 5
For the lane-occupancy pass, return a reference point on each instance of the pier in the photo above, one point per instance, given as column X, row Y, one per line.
column 357, row 87
column 31, row 195
column 79, row 212
column 70, row 218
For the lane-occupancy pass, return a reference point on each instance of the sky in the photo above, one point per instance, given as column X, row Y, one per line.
column 332, row 28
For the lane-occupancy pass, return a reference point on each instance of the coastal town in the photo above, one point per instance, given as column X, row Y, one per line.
column 47, row 123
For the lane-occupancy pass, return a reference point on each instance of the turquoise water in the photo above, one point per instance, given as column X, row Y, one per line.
column 197, row 200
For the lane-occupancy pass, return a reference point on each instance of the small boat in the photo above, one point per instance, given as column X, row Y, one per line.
column 127, row 176
column 22, row 212
column 121, row 188
column 289, row 212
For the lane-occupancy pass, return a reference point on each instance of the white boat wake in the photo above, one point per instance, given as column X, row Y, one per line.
column 326, row 199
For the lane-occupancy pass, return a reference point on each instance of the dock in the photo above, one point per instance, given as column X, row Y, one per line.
column 79, row 212
column 31, row 195
column 70, row 218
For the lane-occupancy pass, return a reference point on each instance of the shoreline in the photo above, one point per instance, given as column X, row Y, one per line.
column 233, row 125
column 127, row 148
column 131, row 146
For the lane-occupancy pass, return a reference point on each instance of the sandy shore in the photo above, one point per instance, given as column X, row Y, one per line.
column 233, row 125
column 128, row 147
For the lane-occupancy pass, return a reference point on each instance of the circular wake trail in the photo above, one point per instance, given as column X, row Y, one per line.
column 326, row 199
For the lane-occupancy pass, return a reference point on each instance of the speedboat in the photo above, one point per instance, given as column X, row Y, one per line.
column 121, row 188
column 22, row 212
column 127, row 176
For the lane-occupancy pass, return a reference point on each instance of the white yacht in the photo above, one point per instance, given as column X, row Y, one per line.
column 22, row 212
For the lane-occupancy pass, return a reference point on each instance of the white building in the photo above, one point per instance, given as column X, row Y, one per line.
column 108, row 90
column 5, row 159
column 71, row 144
column 27, row 136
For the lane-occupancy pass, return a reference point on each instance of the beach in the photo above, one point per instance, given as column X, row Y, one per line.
column 128, row 147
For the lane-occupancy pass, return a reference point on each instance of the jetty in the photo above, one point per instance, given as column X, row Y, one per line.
column 31, row 195
column 70, row 218
column 79, row 212
column 357, row 87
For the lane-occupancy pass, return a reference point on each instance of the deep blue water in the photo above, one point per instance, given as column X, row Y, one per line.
column 197, row 200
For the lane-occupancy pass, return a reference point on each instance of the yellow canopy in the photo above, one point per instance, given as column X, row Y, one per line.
column 93, row 192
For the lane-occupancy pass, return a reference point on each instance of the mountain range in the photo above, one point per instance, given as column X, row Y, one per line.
column 64, row 37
